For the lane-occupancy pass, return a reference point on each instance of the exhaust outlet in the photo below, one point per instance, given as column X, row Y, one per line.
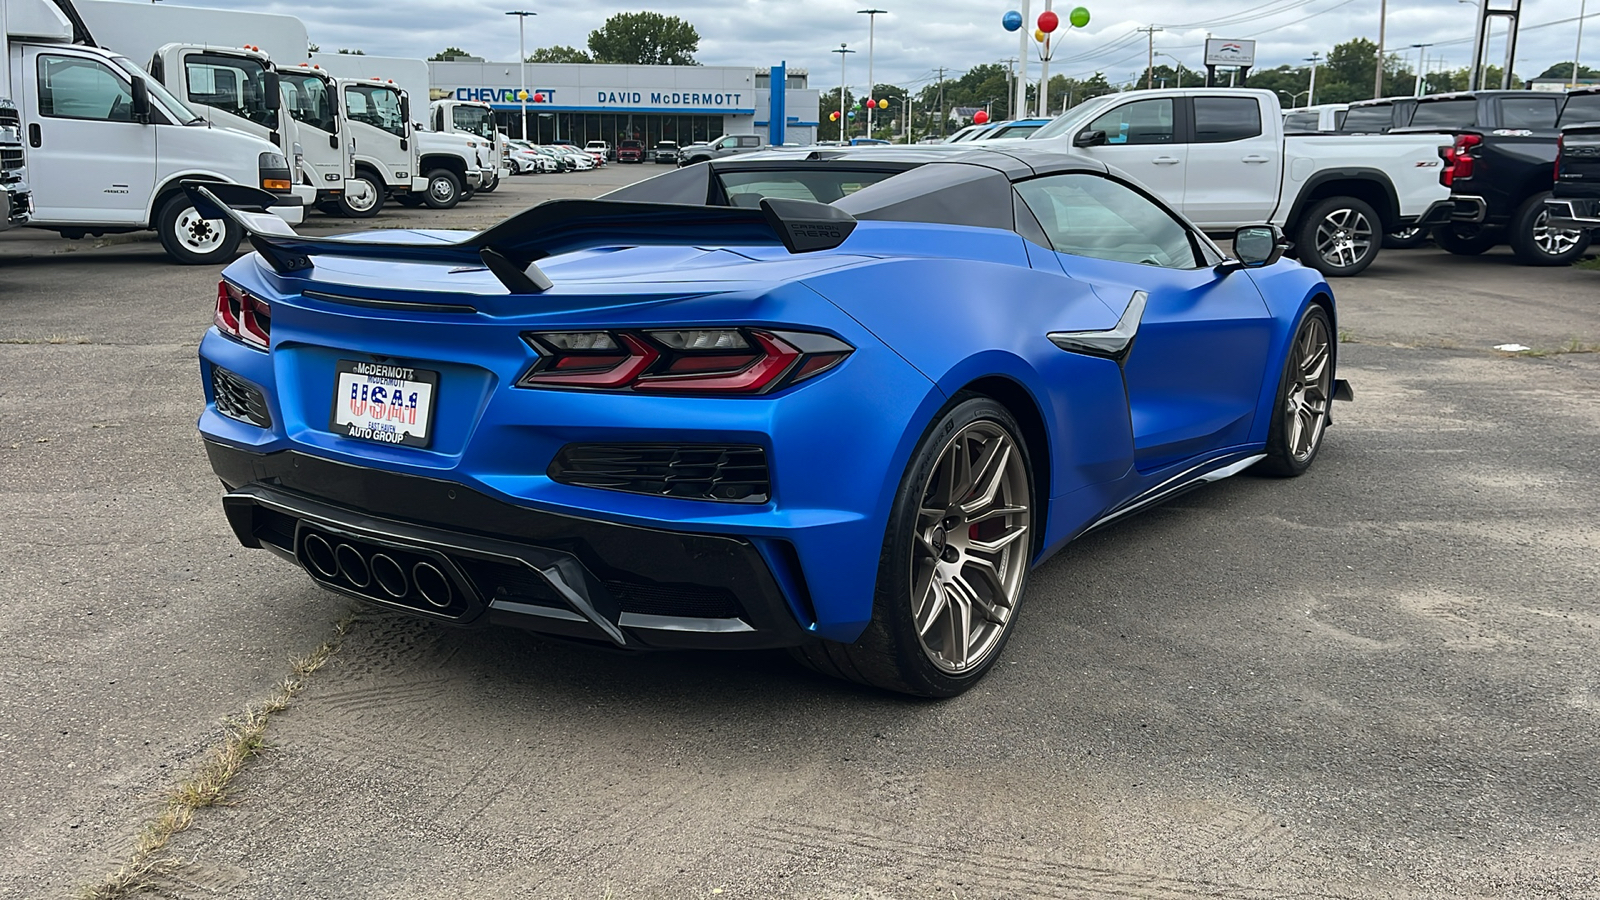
column 432, row 584
column 319, row 553
column 352, row 565
column 389, row 575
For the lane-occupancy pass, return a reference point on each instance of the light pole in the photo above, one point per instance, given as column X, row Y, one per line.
column 1311, row 89
column 1583, row 10
column 1377, row 83
column 1422, row 63
column 843, row 49
column 1294, row 95
column 522, row 65
column 872, row 35
column 1176, row 60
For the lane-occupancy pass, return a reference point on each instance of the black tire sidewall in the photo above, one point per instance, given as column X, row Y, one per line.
column 167, row 230
column 455, row 183
column 1306, row 236
column 1280, row 459
column 892, row 613
column 1522, row 243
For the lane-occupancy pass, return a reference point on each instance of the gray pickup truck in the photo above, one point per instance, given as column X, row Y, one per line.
column 727, row 145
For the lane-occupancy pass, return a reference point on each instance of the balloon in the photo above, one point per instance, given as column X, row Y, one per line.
column 1012, row 20
column 522, row 95
column 538, row 98
column 1049, row 22
column 852, row 114
column 833, row 116
column 1079, row 17
column 980, row 117
column 1038, row 35
column 883, row 104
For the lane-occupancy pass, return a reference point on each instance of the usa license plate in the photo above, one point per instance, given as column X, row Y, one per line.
column 385, row 403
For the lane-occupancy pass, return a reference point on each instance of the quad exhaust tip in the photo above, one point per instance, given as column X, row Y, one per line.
column 391, row 577
column 321, row 556
column 352, row 566
column 432, row 584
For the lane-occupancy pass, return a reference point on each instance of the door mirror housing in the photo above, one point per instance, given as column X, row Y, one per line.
column 141, row 101
column 1256, row 247
column 1089, row 137
column 405, row 107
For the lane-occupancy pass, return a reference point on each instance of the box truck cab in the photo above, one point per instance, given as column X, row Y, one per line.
column 415, row 166
column 474, row 119
column 108, row 146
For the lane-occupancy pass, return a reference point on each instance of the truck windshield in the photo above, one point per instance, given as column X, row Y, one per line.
column 1072, row 121
column 174, row 107
column 376, row 105
column 308, row 99
column 475, row 120
column 1580, row 108
column 1446, row 114
column 1369, row 119
column 232, row 84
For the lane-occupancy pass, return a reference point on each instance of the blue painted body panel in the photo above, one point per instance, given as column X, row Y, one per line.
column 929, row 310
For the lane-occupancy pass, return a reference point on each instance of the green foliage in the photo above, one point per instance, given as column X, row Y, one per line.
column 560, row 53
column 1564, row 70
column 444, row 54
column 645, row 39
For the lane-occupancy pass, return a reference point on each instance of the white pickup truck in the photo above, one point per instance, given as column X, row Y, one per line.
column 1221, row 157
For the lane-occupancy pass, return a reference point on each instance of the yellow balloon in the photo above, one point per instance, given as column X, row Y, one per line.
column 1038, row 35
column 522, row 95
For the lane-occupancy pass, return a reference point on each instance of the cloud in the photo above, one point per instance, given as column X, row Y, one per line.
column 915, row 39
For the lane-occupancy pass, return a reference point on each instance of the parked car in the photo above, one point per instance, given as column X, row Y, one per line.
column 1005, row 377
column 1322, row 117
column 1377, row 116
column 630, row 151
column 525, row 158
column 601, row 149
column 665, row 152
column 1221, row 157
column 1575, row 198
column 1500, row 171
column 727, row 145
column 582, row 160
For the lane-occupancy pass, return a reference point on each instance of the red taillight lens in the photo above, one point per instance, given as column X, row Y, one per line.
column 700, row 360
column 243, row 316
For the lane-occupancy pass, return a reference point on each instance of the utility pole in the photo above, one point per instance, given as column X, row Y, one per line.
column 1383, row 16
column 1150, row 67
column 1583, row 10
column 1311, row 89
column 1011, row 79
column 1024, row 33
column 522, row 66
column 944, row 117
column 1044, row 71
column 843, row 49
column 872, row 36
column 1422, row 63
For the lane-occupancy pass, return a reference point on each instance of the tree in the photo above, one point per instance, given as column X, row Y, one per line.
column 313, row 48
column 1564, row 70
column 827, row 129
column 645, row 39
column 560, row 53
column 445, row 54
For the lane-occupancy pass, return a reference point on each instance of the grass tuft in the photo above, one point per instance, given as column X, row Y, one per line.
column 244, row 737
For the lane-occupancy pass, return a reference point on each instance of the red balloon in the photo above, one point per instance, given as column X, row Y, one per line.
column 538, row 98
column 980, row 117
column 1049, row 22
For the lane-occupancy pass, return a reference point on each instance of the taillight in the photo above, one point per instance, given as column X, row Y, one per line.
column 243, row 316
column 690, row 360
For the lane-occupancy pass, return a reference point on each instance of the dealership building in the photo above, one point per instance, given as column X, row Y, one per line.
column 581, row 102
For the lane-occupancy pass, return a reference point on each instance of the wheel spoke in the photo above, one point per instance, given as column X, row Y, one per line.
column 990, row 471
column 975, row 601
column 930, row 600
column 958, row 629
column 994, row 512
column 1006, row 539
column 989, row 575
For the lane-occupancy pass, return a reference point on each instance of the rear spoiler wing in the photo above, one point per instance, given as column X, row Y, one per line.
column 511, row 249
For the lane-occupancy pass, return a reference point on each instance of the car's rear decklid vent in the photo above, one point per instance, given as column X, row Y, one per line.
column 728, row 473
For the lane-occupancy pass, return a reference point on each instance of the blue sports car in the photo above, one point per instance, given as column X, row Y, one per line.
column 839, row 401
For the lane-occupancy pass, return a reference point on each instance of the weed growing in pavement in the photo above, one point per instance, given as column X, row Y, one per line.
column 208, row 786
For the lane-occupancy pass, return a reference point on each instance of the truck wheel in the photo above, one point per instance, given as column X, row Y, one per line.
column 1405, row 239
column 192, row 240
column 1466, row 240
column 444, row 189
column 494, row 182
column 1537, row 244
column 362, row 197
column 1339, row 237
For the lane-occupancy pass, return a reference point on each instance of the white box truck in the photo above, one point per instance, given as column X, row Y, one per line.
column 108, row 146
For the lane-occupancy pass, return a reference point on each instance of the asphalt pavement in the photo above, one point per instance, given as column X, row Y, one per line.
column 1377, row 680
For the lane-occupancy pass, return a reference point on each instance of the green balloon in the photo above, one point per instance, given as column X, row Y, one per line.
column 1079, row 17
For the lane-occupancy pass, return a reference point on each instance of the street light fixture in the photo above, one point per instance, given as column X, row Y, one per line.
column 872, row 33
column 1176, row 60
column 1422, row 63
column 522, row 65
column 843, row 49
column 1311, row 89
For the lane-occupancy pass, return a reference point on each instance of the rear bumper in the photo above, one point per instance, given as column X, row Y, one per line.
column 626, row 586
column 289, row 207
column 1573, row 213
column 1440, row 212
column 1468, row 208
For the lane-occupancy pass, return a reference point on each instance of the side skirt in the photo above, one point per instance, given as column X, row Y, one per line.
column 1187, row 480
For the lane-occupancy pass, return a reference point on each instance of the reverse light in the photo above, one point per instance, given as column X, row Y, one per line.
column 243, row 316
column 700, row 360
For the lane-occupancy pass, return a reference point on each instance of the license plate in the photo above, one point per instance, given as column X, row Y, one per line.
column 384, row 403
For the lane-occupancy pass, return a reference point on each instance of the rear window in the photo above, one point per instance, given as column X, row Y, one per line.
column 1528, row 112
column 746, row 188
column 1301, row 121
column 1368, row 119
column 1581, row 108
column 1446, row 114
column 1218, row 120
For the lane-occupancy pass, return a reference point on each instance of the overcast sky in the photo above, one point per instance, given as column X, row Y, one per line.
column 914, row 38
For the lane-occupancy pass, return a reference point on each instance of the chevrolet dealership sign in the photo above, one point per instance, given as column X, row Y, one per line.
column 666, row 101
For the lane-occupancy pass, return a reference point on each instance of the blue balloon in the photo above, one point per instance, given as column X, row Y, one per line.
column 852, row 114
column 1012, row 20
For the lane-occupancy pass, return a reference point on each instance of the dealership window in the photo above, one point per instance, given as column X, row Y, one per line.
column 613, row 128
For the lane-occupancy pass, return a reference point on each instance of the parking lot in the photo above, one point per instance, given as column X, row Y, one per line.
column 1377, row 680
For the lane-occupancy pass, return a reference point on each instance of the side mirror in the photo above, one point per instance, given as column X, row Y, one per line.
column 1089, row 138
column 1257, row 246
column 141, row 101
column 405, row 107
column 274, row 98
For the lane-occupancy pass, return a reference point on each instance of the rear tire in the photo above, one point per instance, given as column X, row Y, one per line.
column 1537, row 244
column 362, row 197
column 1339, row 237
column 444, row 189
column 493, row 183
column 954, row 563
column 1405, row 239
column 1466, row 240
column 192, row 240
column 1305, row 394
